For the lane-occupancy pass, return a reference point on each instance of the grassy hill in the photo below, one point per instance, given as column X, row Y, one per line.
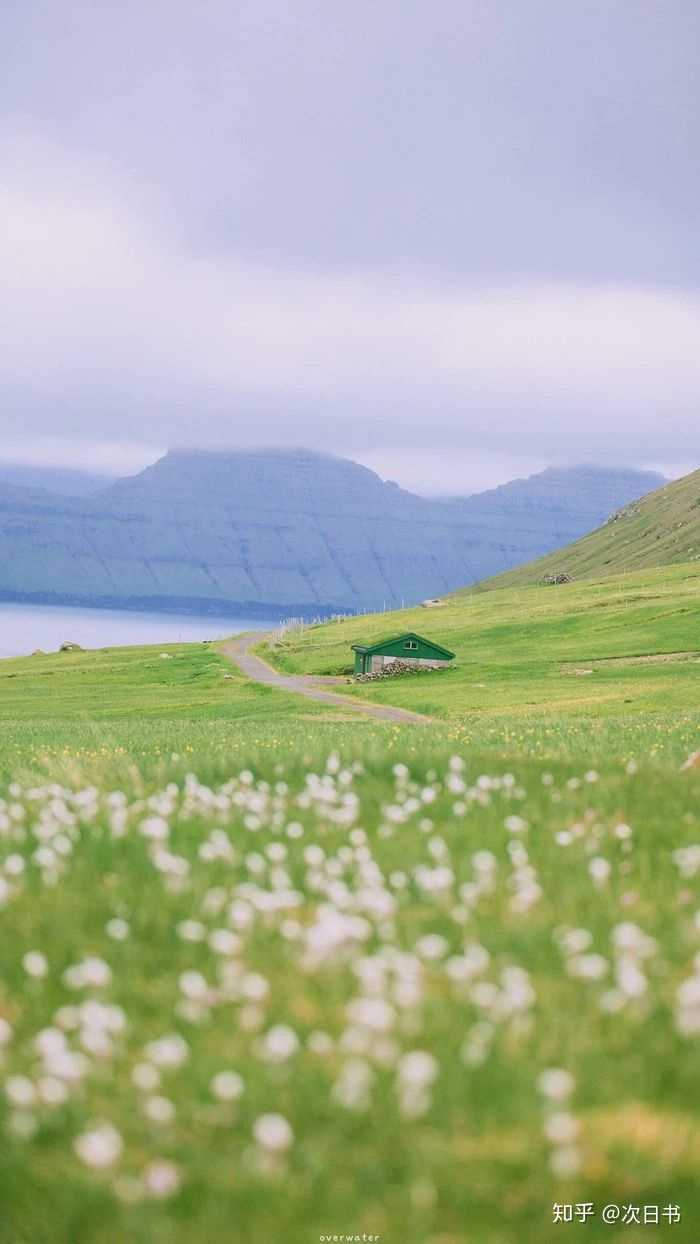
column 661, row 529
column 615, row 646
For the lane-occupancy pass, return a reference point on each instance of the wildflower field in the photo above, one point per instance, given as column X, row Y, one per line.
column 268, row 975
column 422, row 1000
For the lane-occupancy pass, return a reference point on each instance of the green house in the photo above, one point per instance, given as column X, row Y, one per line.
column 371, row 658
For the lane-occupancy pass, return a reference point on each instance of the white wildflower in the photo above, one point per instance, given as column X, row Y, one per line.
column 193, row 985
column 599, row 869
column 561, row 1128
column 556, row 1084
column 373, row 1013
column 418, row 1068
column 224, row 942
column 168, row 1051
column 227, row 1086
column 159, row 1109
column 35, row 964
column 432, row 946
column 20, row 1091
column 279, row 1044
column 145, row 1077
column 515, row 824
column 273, row 1132
column 191, row 930
column 623, row 831
column 90, row 972
column 155, row 827
column 161, row 1179
column 353, row 1087
column 254, row 987
column 589, row 967
column 49, row 1041
column 416, row 1072
column 100, row 1146
column 52, row 1091
column 688, row 1005
column 687, row 860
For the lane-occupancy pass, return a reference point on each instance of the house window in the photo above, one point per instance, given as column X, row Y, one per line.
column 411, row 643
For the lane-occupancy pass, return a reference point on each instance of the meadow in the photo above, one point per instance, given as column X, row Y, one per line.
column 616, row 646
column 132, row 706
column 268, row 974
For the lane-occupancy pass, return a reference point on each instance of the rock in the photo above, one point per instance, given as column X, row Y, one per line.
column 559, row 577
column 68, row 646
column 398, row 668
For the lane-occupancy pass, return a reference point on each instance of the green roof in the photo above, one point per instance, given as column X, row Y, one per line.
column 395, row 639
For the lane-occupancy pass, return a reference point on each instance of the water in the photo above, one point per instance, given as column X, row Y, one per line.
column 23, row 628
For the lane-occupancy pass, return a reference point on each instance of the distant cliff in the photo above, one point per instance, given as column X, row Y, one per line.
column 279, row 532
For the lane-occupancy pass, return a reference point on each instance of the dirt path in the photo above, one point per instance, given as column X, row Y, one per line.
column 239, row 651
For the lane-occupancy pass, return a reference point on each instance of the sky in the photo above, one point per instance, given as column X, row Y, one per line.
column 454, row 241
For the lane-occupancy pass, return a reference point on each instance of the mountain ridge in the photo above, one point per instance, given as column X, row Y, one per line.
column 660, row 528
column 279, row 532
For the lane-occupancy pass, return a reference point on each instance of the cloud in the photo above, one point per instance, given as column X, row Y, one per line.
column 114, row 329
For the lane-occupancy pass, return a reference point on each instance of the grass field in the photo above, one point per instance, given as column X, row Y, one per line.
column 352, row 977
column 618, row 646
column 133, row 705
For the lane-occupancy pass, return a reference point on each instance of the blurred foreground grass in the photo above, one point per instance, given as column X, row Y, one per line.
column 419, row 983
column 318, row 992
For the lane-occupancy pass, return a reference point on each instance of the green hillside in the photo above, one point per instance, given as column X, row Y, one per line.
column 617, row 645
column 661, row 529
column 269, row 967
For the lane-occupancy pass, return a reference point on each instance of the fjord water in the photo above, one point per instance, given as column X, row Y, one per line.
column 23, row 628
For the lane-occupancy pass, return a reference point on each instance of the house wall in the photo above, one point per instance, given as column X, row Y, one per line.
column 378, row 662
column 395, row 648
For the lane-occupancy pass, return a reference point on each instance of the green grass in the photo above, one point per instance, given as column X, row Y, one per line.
column 521, row 652
column 132, row 705
column 468, row 1160
column 139, row 682
column 398, row 820
column 662, row 528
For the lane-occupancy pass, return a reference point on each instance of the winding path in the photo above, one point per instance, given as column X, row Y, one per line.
column 239, row 650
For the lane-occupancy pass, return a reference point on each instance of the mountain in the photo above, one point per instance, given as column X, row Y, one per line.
column 549, row 509
column 59, row 480
column 662, row 528
column 280, row 532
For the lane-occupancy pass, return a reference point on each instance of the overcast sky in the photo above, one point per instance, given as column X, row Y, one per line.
column 454, row 240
